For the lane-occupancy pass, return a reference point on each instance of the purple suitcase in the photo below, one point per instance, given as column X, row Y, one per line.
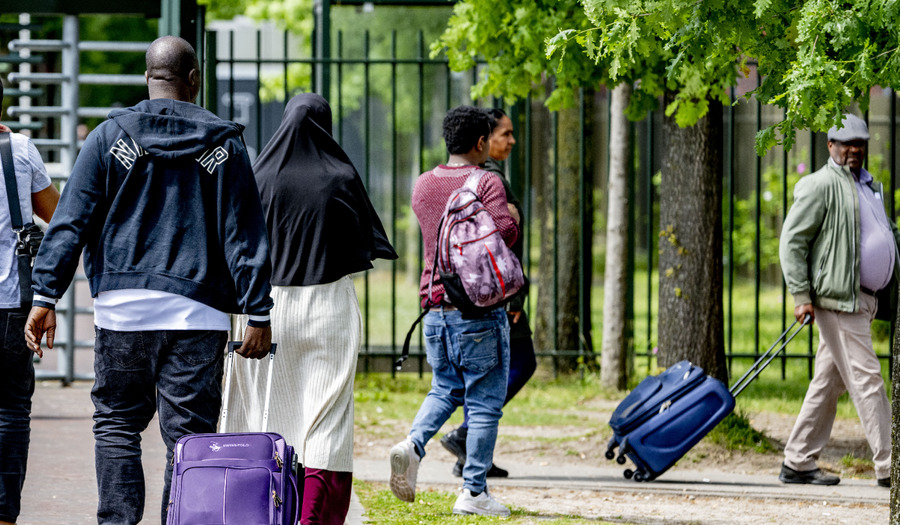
column 245, row 478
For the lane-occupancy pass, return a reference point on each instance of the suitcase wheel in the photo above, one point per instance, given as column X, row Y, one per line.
column 610, row 454
column 620, row 460
column 628, row 473
column 640, row 476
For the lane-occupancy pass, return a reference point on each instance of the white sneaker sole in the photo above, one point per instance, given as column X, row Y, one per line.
column 479, row 512
column 399, row 465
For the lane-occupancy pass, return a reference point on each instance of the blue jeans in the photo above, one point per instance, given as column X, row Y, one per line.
column 17, row 380
column 177, row 372
column 470, row 364
column 522, row 365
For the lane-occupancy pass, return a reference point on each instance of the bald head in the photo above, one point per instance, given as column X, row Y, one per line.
column 172, row 69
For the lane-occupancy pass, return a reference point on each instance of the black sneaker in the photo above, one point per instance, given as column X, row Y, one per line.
column 497, row 472
column 455, row 443
column 493, row 472
column 808, row 477
column 884, row 482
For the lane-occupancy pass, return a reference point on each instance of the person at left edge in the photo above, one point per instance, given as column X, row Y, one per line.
column 37, row 195
column 163, row 201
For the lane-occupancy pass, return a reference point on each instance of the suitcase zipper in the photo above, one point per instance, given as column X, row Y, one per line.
column 278, row 461
column 277, row 499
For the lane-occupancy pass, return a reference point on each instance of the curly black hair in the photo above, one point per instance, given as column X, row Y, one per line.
column 463, row 126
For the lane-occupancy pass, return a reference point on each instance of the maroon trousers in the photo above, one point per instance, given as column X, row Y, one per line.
column 326, row 497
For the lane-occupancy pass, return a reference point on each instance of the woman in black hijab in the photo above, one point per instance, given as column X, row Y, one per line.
column 322, row 228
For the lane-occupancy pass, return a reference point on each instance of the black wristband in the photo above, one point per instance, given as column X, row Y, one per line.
column 258, row 324
column 44, row 304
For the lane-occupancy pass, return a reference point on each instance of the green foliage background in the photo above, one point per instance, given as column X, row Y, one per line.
column 815, row 57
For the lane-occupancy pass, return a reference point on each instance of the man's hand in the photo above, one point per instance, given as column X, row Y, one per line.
column 257, row 342
column 40, row 321
column 802, row 310
column 515, row 316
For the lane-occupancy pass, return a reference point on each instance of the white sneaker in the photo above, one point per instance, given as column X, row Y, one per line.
column 404, row 469
column 483, row 504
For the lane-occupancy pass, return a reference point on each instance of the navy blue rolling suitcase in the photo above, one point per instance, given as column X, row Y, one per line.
column 666, row 415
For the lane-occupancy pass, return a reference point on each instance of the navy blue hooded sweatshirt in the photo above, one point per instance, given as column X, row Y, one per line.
column 162, row 197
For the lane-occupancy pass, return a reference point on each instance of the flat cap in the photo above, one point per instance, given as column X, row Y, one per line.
column 854, row 129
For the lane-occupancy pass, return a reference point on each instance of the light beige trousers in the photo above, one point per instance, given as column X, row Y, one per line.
column 845, row 361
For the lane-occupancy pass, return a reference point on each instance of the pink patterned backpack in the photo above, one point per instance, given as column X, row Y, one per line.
column 477, row 269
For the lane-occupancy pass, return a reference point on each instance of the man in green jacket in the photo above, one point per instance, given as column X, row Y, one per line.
column 838, row 249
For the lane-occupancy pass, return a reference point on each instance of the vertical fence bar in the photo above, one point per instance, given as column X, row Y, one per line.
column 526, row 197
column 650, row 238
column 784, row 209
column 892, row 133
column 757, row 282
column 584, row 314
column 284, row 53
column 211, row 93
column 231, row 75
column 729, row 167
column 340, row 88
column 367, row 126
column 259, row 124
column 555, row 291
column 420, row 58
column 809, row 342
column 71, row 65
column 395, row 188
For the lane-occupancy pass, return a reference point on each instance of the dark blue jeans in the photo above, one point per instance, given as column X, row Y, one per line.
column 17, row 380
column 177, row 372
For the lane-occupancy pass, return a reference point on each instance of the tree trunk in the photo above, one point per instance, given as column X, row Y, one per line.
column 561, row 252
column 690, row 245
column 613, row 365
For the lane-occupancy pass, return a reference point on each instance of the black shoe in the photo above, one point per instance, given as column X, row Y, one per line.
column 497, row 472
column 455, row 443
column 884, row 482
column 808, row 477
column 493, row 472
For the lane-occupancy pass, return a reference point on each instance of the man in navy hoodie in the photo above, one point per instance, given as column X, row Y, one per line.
column 163, row 202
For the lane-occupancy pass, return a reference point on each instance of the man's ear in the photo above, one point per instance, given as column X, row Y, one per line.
column 482, row 143
column 194, row 83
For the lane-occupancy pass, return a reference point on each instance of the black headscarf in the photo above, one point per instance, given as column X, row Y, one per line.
column 321, row 223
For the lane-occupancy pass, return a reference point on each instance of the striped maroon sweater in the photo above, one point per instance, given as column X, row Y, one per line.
column 429, row 197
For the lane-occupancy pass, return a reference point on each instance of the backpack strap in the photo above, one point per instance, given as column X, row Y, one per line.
column 9, row 175
column 474, row 179
column 26, row 294
column 404, row 353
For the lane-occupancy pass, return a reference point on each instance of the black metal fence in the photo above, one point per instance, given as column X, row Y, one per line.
column 388, row 98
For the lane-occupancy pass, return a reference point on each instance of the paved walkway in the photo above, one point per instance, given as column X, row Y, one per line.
column 61, row 487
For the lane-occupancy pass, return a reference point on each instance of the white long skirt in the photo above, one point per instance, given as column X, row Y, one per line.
column 318, row 331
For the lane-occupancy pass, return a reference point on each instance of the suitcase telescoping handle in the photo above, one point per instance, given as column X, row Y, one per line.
column 226, row 395
column 768, row 356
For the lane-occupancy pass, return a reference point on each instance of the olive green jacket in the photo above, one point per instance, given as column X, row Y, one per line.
column 820, row 244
